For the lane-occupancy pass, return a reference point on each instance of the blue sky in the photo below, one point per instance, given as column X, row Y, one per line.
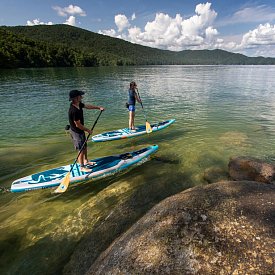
column 246, row 27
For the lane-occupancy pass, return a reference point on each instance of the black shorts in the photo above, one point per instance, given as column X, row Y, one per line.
column 78, row 139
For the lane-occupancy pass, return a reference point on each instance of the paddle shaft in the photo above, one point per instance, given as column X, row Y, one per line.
column 83, row 146
column 142, row 105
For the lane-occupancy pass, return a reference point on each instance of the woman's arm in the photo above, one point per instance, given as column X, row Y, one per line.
column 137, row 97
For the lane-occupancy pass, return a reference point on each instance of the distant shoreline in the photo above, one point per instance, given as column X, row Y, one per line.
column 66, row 46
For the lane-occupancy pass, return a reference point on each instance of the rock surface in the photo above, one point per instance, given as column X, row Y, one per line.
column 246, row 168
column 222, row 228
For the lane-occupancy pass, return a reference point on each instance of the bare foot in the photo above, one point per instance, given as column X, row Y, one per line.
column 85, row 169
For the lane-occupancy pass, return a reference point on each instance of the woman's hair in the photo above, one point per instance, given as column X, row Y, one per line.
column 132, row 84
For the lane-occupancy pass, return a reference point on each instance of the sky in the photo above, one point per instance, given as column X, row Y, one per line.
column 240, row 26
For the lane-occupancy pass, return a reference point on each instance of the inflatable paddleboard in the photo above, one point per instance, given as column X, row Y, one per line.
column 104, row 166
column 127, row 133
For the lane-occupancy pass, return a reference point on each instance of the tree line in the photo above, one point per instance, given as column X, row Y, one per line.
column 67, row 46
column 17, row 51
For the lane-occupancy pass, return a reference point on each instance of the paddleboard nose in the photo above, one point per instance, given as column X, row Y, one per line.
column 155, row 147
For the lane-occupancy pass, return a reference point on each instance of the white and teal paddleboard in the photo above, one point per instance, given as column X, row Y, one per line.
column 105, row 166
column 127, row 133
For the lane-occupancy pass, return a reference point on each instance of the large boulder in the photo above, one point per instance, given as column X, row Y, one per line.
column 222, row 228
column 246, row 168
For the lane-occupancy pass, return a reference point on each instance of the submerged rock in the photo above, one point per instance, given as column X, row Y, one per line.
column 234, row 139
column 215, row 174
column 246, row 168
column 220, row 228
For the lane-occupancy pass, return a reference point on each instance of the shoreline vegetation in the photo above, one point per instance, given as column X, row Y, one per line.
column 66, row 46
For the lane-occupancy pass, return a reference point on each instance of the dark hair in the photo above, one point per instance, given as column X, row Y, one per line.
column 133, row 83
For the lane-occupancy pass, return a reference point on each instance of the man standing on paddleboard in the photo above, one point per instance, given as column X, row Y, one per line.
column 133, row 96
column 77, row 128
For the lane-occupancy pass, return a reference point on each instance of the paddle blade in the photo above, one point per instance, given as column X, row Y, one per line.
column 148, row 127
column 63, row 186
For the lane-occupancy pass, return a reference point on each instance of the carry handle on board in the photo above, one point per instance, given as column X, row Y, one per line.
column 147, row 124
column 63, row 186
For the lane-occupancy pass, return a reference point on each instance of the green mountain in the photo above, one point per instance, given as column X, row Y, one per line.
column 64, row 45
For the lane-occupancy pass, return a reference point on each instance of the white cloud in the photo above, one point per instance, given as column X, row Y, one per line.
column 261, row 13
column 204, row 18
column 121, row 22
column 74, row 10
column 70, row 21
column 266, row 51
column 70, row 10
column 134, row 34
column 262, row 35
column 210, row 34
column 170, row 33
column 197, row 31
column 37, row 22
column 259, row 41
column 110, row 32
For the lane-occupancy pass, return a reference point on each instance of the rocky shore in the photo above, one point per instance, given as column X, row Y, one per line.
column 221, row 228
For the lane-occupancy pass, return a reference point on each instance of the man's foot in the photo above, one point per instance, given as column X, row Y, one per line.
column 90, row 163
column 85, row 169
column 133, row 129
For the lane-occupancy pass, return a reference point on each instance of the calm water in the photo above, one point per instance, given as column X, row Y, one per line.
column 220, row 111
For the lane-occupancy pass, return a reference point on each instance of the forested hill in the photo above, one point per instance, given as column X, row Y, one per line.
column 64, row 45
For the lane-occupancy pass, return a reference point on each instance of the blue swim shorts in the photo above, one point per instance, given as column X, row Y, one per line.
column 78, row 139
column 131, row 108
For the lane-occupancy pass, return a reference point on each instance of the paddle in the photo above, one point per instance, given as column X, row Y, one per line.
column 63, row 186
column 147, row 124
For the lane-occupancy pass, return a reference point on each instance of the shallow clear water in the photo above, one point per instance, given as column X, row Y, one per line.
column 220, row 112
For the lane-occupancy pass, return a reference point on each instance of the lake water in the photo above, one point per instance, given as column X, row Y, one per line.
column 220, row 112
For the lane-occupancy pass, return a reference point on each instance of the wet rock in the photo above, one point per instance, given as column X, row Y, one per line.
column 246, row 168
column 220, row 228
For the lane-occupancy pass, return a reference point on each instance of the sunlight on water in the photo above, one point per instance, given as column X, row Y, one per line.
column 220, row 112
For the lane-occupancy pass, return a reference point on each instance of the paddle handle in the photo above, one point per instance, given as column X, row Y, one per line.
column 86, row 140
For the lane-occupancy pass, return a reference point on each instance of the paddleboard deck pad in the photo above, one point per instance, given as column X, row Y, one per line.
column 127, row 133
column 103, row 167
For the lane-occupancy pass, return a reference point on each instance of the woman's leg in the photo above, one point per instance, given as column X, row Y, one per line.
column 131, row 119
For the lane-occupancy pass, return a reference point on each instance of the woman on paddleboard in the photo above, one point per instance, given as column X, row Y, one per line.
column 133, row 97
column 77, row 128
